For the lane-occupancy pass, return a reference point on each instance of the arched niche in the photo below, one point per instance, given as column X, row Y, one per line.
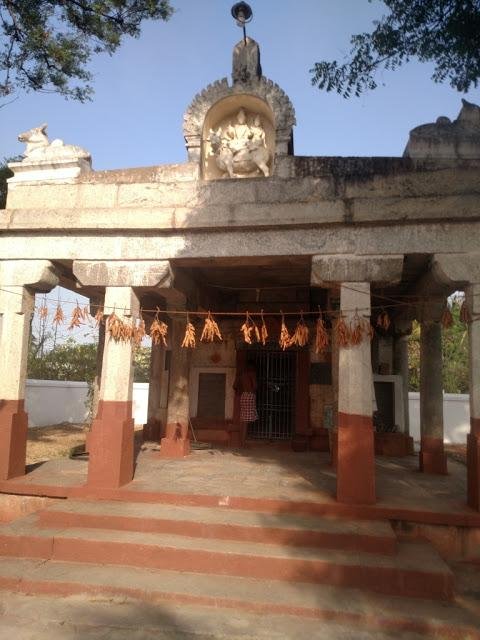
column 223, row 114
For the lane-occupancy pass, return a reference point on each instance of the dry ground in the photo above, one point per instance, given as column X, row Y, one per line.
column 56, row 441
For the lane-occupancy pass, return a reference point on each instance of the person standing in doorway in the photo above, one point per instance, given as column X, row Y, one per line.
column 246, row 386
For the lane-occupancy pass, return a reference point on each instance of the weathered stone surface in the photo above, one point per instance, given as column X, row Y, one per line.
column 392, row 239
column 457, row 269
column 123, row 274
column 332, row 268
column 446, row 139
column 246, row 61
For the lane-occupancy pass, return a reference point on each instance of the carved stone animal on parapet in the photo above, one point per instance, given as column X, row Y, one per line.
column 240, row 150
column 459, row 139
column 39, row 148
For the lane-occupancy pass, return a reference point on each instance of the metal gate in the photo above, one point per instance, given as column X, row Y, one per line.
column 275, row 394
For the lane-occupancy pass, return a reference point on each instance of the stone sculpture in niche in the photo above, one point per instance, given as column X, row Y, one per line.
column 39, row 148
column 240, row 148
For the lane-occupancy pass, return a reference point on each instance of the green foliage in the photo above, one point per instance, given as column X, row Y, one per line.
column 47, row 44
column 455, row 355
column 5, row 173
column 69, row 361
column 76, row 362
column 141, row 364
column 445, row 32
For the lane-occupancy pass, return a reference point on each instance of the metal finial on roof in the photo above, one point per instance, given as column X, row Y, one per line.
column 243, row 14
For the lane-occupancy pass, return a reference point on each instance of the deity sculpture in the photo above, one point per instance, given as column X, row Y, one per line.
column 240, row 149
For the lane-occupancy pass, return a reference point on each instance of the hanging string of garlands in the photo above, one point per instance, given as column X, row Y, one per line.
column 347, row 330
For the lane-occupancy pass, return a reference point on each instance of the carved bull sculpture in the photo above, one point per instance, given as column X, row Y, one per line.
column 39, row 148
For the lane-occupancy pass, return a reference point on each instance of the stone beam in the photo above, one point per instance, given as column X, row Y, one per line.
column 352, row 268
column 36, row 274
column 123, row 273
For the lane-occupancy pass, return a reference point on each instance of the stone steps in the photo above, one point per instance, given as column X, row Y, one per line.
column 223, row 524
column 298, row 607
column 415, row 570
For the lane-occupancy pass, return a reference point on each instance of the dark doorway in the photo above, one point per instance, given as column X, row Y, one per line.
column 275, row 394
column 211, row 395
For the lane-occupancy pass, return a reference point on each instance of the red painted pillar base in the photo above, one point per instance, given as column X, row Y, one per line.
column 13, row 438
column 176, row 443
column 432, row 456
column 473, row 465
column 355, row 460
column 152, row 431
column 110, row 446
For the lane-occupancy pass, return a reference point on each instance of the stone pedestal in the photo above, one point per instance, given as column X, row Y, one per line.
column 111, row 441
column 355, row 448
column 176, row 443
column 152, row 430
column 432, row 453
column 473, row 439
column 16, row 308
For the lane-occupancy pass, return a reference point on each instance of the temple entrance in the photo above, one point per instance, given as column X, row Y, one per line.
column 275, row 394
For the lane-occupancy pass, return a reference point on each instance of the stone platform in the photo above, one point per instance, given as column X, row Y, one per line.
column 254, row 533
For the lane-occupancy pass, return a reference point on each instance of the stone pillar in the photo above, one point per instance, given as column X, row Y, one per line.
column 432, row 453
column 355, row 449
column 473, row 439
column 111, row 442
column 402, row 369
column 152, row 430
column 16, row 308
column 176, row 442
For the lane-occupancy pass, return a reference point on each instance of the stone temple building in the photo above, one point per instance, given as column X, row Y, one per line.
column 245, row 225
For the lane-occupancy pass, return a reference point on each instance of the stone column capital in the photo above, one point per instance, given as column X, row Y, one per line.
column 457, row 270
column 38, row 275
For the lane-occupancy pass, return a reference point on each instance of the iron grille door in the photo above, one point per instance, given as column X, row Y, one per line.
column 275, row 394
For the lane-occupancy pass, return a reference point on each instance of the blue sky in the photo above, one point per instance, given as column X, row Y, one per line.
column 135, row 118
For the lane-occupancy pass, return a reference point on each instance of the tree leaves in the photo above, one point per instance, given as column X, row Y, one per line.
column 46, row 44
column 446, row 32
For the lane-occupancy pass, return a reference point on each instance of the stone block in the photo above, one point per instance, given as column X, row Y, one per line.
column 42, row 196
column 120, row 273
column 353, row 268
column 96, row 196
column 157, row 194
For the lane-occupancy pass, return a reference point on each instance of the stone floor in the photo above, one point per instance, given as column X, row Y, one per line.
column 86, row 618
column 266, row 472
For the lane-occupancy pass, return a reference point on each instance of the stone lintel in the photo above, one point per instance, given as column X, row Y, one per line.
column 123, row 273
column 353, row 268
column 37, row 274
